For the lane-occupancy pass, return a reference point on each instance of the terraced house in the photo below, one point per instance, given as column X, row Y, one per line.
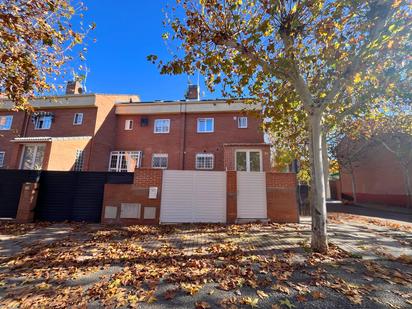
column 104, row 132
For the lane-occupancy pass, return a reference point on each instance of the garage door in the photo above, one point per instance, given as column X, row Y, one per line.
column 193, row 196
column 251, row 199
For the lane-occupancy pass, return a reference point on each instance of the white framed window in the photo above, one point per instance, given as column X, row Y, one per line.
column 204, row 161
column 79, row 160
column 2, row 155
column 121, row 161
column 78, row 119
column 205, row 125
column 6, row 122
column 128, row 124
column 43, row 122
column 242, row 122
column 160, row 160
column 162, row 126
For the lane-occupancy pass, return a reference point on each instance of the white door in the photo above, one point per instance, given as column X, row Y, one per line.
column 248, row 160
column 193, row 196
column 251, row 198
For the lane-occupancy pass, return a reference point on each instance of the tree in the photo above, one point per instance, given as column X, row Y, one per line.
column 35, row 38
column 310, row 53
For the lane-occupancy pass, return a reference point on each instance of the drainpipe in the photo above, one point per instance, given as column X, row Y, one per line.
column 26, row 121
column 183, row 149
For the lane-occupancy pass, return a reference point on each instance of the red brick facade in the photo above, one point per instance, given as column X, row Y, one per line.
column 183, row 142
column 95, row 136
column 103, row 131
column 379, row 179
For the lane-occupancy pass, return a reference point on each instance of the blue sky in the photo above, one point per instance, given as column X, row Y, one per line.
column 127, row 31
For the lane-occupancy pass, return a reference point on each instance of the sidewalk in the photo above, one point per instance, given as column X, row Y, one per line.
column 387, row 208
column 395, row 214
column 222, row 266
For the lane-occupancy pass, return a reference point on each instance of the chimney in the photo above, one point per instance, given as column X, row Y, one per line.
column 74, row 87
column 193, row 93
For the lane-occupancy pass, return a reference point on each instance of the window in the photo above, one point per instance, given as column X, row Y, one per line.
column 128, row 125
column 204, row 161
column 2, row 154
column 242, row 122
column 248, row 160
column 78, row 162
column 159, row 160
column 5, row 122
column 205, row 125
column 43, row 122
column 120, row 161
column 32, row 158
column 162, row 126
column 78, row 119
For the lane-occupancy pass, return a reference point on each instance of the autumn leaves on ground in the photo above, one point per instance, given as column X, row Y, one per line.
column 191, row 266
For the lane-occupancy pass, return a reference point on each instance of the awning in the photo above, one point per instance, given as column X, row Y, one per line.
column 47, row 139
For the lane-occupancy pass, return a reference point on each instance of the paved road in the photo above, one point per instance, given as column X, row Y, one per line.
column 369, row 211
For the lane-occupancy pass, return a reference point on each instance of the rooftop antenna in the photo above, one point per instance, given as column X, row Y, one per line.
column 86, row 70
column 198, row 82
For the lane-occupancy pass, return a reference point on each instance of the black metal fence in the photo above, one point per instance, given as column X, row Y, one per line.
column 11, row 182
column 72, row 196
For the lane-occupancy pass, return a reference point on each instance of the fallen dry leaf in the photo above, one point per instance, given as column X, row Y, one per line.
column 202, row 305
column 317, row 295
column 262, row 294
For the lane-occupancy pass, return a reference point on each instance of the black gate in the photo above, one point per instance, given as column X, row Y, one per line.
column 11, row 182
column 74, row 196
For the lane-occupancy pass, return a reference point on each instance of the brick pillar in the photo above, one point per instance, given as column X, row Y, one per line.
column 231, row 198
column 27, row 203
column 281, row 197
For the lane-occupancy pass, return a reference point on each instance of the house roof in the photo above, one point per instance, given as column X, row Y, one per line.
column 185, row 106
column 71, row 100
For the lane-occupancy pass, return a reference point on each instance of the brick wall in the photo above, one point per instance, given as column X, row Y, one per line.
column 137, row 194
column 379, row 179
column 281, row 197
column 180, row 137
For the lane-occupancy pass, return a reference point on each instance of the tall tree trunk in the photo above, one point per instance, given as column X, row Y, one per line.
column 325, row 159
column 408, row 189
column 353, row 178
column 318, row 200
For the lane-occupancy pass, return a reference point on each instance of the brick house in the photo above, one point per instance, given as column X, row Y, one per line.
column 189, row 135
column 378, row 177
column 70, row 132
column 99, row 132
